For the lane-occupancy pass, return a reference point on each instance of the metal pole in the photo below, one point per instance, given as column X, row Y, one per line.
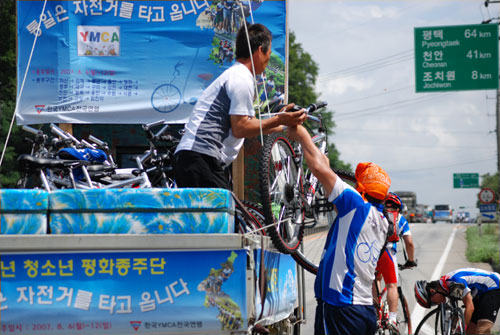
column 498, row 165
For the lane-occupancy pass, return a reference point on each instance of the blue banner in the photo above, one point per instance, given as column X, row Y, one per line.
column 133, row 61
column 281, row 295
column 150, row 292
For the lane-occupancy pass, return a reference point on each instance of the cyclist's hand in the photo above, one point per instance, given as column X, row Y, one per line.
column 410, row 264
column 289, row 116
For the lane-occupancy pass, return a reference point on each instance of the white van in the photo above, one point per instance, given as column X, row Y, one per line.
column 442, row 213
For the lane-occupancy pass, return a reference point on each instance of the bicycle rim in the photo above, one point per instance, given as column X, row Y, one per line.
column 429, row 324
column 403, row 317
column 281, row 204
column 310, row 255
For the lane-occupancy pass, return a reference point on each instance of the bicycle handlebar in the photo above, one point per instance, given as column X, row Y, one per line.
column 31, row 130
column 153, row 124
column 65, row 135
column 313, row 107
column 97, row 141
column 87, row 144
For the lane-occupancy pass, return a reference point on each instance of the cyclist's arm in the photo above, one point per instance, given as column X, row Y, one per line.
column 244, row 126
column 317, row 162
column 410, row 247
column 469, row 307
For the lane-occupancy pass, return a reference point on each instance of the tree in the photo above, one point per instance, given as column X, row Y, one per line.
column 303, row 72
column 8, row 171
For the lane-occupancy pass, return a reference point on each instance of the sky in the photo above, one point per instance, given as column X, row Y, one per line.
column 365, row 54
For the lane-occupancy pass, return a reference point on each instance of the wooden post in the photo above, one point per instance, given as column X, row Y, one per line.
column 239, row 174
column 67, row 127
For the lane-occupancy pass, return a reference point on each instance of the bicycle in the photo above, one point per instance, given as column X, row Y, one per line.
column 403, row 317
column 446, row 319
column 292, row 197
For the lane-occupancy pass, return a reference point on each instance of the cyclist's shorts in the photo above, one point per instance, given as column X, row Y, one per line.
column 387, row 267
column 350, row 320
column 486, row 306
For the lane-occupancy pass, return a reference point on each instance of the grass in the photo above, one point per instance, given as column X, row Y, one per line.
column 483, row 247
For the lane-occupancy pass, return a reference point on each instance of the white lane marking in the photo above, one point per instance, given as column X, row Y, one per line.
column 419, row 311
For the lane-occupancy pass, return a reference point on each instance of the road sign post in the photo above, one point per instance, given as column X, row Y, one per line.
column 466, row 180
column 453, row 58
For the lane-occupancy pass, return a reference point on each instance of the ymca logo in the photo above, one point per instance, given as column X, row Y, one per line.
column 98, row 40
column 135, row 324
column 39, row 108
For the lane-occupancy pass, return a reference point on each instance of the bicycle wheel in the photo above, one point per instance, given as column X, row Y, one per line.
column 430, row 324
column 310, row 256
column 281, row 186
column 253, row 224
column 403, row 317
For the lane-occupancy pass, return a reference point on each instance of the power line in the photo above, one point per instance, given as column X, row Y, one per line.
column 369, row 96
column 370, row 66
column 444, row 166
column 385, row 108
column 384, row 131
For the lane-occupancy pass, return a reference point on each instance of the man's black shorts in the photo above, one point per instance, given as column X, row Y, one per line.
column 193, row 169
column 486, row 306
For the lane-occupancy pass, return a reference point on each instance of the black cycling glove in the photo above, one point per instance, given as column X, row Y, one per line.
column 410, row 264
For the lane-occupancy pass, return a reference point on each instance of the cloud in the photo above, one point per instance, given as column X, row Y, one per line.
column 364, row 50
column 340, row 86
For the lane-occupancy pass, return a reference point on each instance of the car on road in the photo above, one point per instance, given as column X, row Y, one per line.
column 442, row 213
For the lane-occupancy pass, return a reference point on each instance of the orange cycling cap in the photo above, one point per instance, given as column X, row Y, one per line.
column 372, row 180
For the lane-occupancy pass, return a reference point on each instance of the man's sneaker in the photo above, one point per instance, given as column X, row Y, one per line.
column 392, row 325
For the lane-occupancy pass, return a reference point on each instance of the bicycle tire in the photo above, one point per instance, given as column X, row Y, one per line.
column 403, row 318
column 252, row 225
column 310, row 257
column 435, row 313
column 283, row 210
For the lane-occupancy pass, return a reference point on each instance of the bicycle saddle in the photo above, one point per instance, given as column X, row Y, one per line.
column 31, row 162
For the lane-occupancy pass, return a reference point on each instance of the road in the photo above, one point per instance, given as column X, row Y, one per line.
column 439, row 248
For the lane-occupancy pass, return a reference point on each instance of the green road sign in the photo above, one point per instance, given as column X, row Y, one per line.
column 453, row 58
column 466, row 180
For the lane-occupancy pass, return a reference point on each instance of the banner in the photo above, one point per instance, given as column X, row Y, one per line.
column 150, row 292
column 110, row 61
column 281, row 295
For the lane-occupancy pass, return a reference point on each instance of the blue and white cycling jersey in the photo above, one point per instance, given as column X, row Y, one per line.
column 476, row 280
column 347, row 268
column 403, row 229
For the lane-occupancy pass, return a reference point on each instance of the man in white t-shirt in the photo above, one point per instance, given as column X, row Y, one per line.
column 224, row 116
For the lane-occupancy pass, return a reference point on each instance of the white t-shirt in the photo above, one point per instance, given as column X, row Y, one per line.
column 208, row 130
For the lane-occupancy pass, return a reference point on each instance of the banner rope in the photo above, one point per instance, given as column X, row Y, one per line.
column 22, row 84
column 253, row 67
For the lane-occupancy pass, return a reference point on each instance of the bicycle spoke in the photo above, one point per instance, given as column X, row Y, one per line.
column 277, row 174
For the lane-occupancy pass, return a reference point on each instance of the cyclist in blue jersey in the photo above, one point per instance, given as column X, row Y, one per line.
column 343, row 285
column 387, row 266
column 479, row 290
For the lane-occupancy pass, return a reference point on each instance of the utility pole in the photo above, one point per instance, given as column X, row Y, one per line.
column 497, row 200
